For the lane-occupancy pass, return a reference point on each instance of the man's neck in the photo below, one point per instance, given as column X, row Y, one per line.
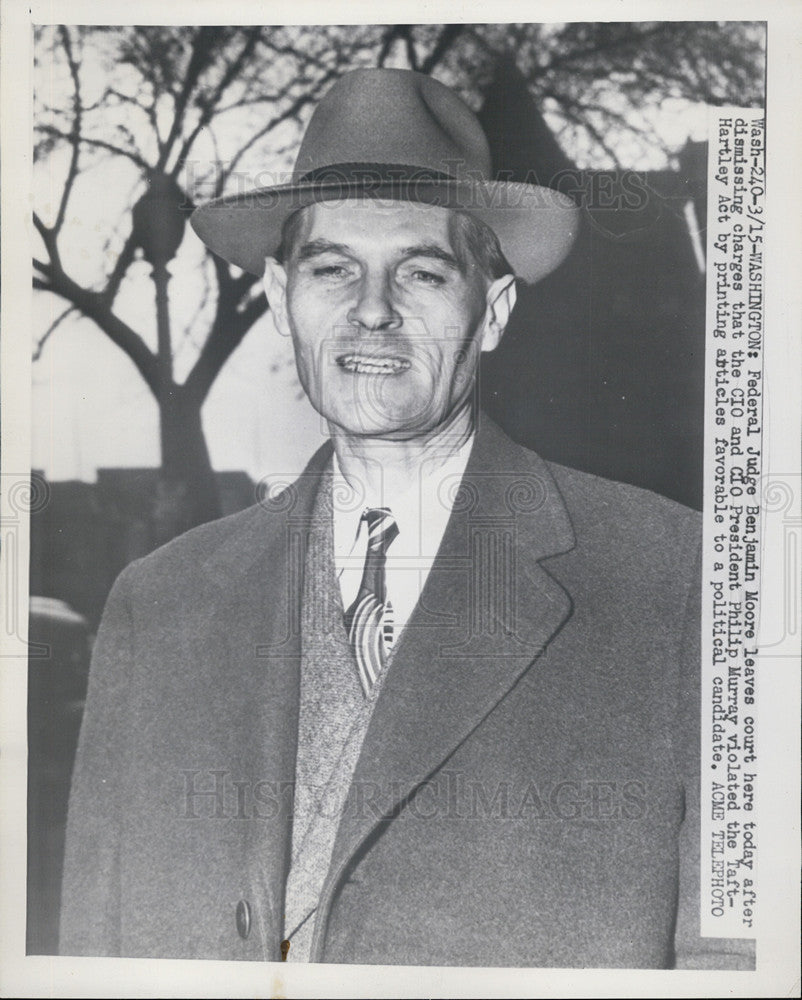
column 390, row 466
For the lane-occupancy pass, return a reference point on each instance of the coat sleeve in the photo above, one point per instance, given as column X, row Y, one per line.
column 90, row 896
column 691, row 950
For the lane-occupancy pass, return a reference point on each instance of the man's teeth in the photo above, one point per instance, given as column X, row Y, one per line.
column 372, row 366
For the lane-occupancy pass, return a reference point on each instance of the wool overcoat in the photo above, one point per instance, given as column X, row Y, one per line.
column 527, row 792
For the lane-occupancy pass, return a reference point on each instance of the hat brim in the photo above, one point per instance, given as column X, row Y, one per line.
column 536, row 226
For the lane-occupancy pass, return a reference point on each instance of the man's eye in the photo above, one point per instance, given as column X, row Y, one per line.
column 330, row 271
column 427, row 277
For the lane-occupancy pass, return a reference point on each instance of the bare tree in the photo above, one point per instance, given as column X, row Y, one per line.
column 231, row 98
column 166, row 88
column 598, row 81
column 237, row 92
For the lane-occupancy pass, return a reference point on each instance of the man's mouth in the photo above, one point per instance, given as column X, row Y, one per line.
column 362, row 364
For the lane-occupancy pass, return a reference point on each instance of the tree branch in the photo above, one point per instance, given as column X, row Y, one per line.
column 228, row 77
column 98, row 143
column 254, row 310
column 121, row 265
column 93, row 304
column 289, row 112
column 49, row 239
column 580, row 121
column 77, row 121
column 229, row 328
column 393, row 33
column 635, row 37
column 309, row 58
column 202, row 46
column 449, row 35
column 412, row 55
column 37, row 353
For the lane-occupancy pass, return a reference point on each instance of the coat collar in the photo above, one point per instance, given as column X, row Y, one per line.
column 501, row 478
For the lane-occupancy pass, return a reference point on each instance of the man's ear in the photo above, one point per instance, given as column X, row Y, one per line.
column 275, row 285
column 501, row 296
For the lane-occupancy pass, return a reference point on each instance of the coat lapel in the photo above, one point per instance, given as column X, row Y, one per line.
column 488, row 610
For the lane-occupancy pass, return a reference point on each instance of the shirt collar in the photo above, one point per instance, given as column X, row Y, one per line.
column 421, row 511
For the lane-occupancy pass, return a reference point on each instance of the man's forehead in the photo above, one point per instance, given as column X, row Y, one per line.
column 373, row 219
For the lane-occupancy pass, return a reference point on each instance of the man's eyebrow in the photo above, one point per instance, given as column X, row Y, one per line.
column 314, row 248
column 433, row 251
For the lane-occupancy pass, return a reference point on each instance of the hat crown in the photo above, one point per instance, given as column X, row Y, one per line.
column 396, row 135
column 394, row 116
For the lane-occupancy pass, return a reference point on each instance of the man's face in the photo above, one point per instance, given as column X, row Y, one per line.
column 387, row 325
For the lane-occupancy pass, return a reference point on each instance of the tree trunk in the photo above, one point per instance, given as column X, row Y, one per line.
column 187, row 492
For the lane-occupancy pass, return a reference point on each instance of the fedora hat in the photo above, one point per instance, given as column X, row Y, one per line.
column 395, row 134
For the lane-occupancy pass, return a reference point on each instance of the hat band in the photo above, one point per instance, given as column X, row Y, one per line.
column 372, row 173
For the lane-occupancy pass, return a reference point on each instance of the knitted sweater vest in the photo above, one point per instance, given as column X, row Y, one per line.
column 333, row 720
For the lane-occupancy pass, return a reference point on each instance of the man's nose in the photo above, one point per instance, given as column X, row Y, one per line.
column 374, row 309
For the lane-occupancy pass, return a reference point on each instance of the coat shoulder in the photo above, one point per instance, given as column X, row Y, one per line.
column 199, row 544
column 594, row 493
column 594, row 505
column 633, row 520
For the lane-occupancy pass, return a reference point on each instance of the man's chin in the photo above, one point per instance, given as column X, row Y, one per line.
column 389, row 428
column 397, row 424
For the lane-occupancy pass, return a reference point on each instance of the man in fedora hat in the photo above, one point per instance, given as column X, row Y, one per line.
column 436, row 702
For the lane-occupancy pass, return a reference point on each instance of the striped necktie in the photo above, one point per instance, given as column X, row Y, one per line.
column 368, row 620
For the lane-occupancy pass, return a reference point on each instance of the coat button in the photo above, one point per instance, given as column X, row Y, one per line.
column 243, row 919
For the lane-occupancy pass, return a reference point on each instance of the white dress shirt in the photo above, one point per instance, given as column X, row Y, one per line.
column 421, row 513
